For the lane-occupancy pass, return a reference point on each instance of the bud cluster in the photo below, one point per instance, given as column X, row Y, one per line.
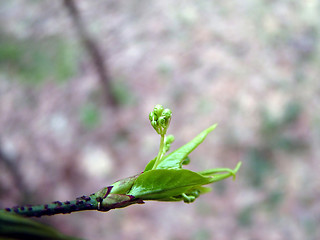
column 160, row 119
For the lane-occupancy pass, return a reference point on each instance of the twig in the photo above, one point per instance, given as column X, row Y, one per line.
column 11, row 163
column 94, row 51
column 93, row 202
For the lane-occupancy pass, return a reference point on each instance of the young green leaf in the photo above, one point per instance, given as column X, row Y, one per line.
column 124, row 185
column 174, row 160
column 150, row 165
column 218, row 175
column 164, row 183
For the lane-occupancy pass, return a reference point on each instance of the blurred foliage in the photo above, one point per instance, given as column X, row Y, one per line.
column 274, row 199
column 15, row 227
column 245, row 216
column 202, row 234
column 259, row 166
column 273, row 136
column 273, row 129
column 122, row 92
column 165, row 69
column 34, row 60
column 89, row 115
column 278, row 29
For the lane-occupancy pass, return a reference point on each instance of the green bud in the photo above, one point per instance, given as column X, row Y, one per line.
column 115, row 201
column 152, row 117
column 166, row 113
column 169, row 139
column 186, row 161
column 158, row 109
column 188, row 198
column 160, row 119
column 154, row 125
column 122, row 186
column 195, row 193
column 162, row 122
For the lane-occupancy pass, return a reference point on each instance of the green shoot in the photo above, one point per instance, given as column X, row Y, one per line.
column 163, row 178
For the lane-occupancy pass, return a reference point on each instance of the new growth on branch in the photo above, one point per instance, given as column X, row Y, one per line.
column 163, row 178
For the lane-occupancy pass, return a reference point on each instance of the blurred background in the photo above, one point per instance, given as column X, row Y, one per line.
column 78, row 79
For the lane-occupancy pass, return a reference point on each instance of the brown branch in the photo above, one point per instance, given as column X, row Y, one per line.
column 93, row 50
column 11, row 164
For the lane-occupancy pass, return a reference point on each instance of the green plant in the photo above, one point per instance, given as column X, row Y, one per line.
column 163, row 179
column 15, row 227
column 32, row 60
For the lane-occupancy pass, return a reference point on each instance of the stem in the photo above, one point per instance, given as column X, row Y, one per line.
column 229, row 171
column 57, row 207
column 11, row 163
column 94, row 51
column 103, row 201
column 221, row 176
column 160, row 154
